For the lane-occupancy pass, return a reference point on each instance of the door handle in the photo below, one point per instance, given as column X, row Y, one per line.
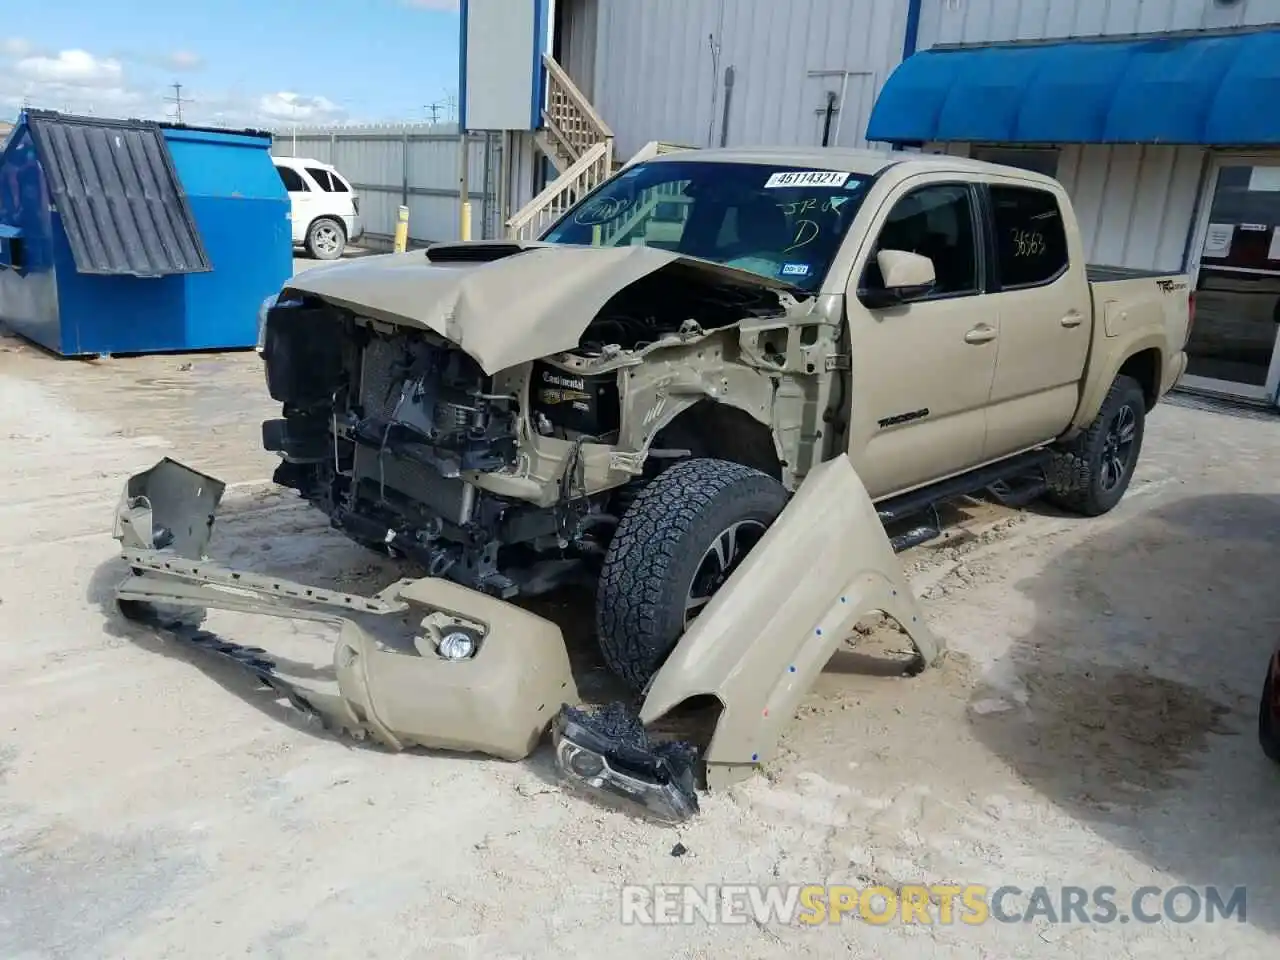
column 980, row 334
column 1072, row 319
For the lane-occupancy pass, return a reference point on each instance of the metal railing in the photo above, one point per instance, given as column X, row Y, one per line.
column 587, row 173
column 590, row 170
column 570, row 118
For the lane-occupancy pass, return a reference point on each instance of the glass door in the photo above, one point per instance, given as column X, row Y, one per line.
column 1236, row 273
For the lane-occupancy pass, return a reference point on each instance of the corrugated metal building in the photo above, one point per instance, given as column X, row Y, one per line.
column 703, row 72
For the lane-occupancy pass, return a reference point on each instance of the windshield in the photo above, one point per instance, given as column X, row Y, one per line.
column 781, row 222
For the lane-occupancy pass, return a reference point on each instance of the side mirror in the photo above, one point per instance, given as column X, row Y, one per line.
column 906, row 276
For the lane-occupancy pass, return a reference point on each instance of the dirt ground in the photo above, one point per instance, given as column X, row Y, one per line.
column 1094, row 725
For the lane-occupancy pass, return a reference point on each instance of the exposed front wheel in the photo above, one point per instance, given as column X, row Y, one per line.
column 1091, row 474
column 680, row 540
column 326, row 239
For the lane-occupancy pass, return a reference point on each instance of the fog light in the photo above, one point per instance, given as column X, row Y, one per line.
column 456, row 645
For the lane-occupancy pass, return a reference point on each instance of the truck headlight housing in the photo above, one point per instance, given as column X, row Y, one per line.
column 266, row 306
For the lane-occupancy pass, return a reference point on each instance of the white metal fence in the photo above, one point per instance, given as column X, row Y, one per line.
column 416, row 165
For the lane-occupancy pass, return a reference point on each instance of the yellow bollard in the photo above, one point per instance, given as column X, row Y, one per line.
column 402, row 230
column 466, row 220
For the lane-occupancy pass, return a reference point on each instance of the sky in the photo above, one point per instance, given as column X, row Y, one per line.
column 265, row 63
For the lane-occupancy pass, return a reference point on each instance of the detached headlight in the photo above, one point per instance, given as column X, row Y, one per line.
column 267, row 304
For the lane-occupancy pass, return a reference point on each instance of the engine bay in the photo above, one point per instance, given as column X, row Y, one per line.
column 666, row 301
column 382, row 425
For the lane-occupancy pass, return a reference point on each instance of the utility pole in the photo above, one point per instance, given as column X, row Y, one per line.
column 176, row 99
column 434, row 110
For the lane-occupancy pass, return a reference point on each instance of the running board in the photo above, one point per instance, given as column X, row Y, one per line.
column 1015, row 482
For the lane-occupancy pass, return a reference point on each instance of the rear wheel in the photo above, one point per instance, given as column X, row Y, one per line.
column 326, row 239
column 1268, row 733
column 683, row 537
column 1090, row 474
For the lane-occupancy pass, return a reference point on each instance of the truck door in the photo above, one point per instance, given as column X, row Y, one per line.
column 1041, row 295
column 922, row 369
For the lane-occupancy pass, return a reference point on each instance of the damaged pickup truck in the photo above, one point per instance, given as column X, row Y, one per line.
column 705, row 392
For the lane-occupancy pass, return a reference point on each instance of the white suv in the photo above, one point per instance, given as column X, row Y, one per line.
column 324, row 208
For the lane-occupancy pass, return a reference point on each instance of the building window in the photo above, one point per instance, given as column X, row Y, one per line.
column 1037, row 161
column 1031, row 241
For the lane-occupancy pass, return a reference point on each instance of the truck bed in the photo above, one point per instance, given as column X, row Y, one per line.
column 1126, row 301
column 1103, row 273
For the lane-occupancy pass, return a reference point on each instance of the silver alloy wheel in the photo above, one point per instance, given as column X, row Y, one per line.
column 719, row 562
column 1118, row 446
column 326, row 238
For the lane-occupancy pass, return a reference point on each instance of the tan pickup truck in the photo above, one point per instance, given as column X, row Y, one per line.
column 703, row 392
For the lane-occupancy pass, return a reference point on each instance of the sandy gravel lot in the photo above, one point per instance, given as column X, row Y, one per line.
column 1094, row 725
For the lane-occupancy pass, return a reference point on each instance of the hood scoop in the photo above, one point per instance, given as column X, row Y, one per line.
column 475, row 252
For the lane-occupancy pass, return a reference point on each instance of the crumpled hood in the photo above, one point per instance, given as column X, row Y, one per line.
column 506, row 311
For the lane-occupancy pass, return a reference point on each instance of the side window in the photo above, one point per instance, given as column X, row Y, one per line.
column 321, row 177
column 1031, row 241
column 339, row 185
column 937, row 222
column 292, row 180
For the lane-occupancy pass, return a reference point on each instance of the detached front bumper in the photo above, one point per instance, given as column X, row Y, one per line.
column 425, row 662
column 432, row 663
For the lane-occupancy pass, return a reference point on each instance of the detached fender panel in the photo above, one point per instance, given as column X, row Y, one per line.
column 766, row 635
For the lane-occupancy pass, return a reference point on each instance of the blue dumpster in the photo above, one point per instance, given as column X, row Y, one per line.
column 128, row 236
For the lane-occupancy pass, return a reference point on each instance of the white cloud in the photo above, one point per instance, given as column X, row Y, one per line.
column 15, row 47
column 71, row 68
column 72, row 98
column 132, row 85
column 183, row 60
column 287, row 105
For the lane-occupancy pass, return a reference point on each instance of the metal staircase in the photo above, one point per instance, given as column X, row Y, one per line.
column 579, row 144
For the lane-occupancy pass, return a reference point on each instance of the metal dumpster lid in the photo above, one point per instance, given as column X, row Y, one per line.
column 123, row 208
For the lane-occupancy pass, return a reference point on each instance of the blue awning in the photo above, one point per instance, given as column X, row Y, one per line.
column 1220, row 90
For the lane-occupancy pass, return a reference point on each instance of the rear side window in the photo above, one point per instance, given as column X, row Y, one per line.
column 292, row 180
column 339, row 185
column 1031, row 240
column 321, row 177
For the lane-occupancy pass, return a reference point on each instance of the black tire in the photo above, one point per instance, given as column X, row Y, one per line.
column 1268, row 735
column 326, row 239
column 1090, row 474
column 664, row 541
